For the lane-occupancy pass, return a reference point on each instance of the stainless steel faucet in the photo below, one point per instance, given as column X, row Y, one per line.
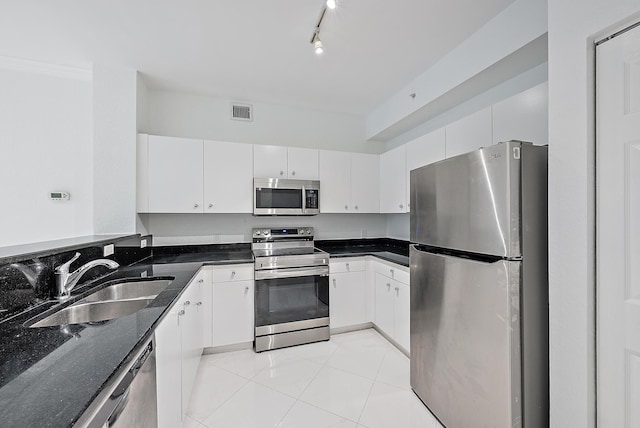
column 65, row 281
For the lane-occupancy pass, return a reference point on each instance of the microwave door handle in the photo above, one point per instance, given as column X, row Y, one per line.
column 304, row 200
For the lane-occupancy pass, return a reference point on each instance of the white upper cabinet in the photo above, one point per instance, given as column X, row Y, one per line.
column 175, row 175
column 365, row 182
column 393, row 181
column 469, row 133
column 335, row 181
column 302, row 163
column 424, row 151
column 524, row 117
column 269, row 161
column 285, row 162
column 348, row 182
column 228, row 177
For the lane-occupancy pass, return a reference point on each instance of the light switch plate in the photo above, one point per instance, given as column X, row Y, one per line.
column 108, row 250
column 143, row 243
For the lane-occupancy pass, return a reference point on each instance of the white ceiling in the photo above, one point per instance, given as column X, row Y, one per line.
column 253, row 50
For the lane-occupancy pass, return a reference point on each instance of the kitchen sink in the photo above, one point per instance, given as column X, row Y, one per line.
column 80, row 312
column 115, row 301
column 129, row 290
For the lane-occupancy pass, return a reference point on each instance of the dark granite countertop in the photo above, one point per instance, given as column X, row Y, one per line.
column 393, row 250
column 49, row 376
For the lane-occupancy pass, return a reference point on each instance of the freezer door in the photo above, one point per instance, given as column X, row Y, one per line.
column 465, row 339
column 470, row 202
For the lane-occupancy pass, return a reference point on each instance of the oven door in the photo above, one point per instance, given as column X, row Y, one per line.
column 284, row 296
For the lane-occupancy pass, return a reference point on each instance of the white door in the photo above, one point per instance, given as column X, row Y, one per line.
column 233, row 312
column 335, row 182
column 347, row 299
column 401, row 316
column 365, row 182
column 423, row 151
column 393, row 181
column 228, row 177
column 384, row 303
column 175, row 175
column 618, row 230
column 302, row 164
column 269, row 161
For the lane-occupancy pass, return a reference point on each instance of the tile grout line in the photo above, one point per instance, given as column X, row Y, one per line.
column 372, row 385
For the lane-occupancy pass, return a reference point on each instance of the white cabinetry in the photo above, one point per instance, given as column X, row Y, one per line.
column 347, row 292
column 175, row 180
column 233, row 294
column 423, row 151
column 392, row 302
column 349, row 182
column 393, row 181
column 365, row 182
column 285, row 162
column 228, row 177
column 469, row 133
column 524, row 117
column 179, row 343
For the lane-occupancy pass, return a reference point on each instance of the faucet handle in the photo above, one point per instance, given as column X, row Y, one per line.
column 65, row 266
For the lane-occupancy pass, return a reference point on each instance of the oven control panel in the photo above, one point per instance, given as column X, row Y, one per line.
column 285, row 232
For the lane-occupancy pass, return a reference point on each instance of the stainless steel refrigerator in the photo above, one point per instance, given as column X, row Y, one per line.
column 479, row 287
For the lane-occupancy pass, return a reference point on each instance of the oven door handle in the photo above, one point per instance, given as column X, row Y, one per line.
column 291, row 272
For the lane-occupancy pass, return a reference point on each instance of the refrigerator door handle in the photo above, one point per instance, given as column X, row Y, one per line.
column 480, row 258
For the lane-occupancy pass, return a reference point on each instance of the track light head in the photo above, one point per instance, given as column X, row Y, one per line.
column 317, row 45
column 331, row 4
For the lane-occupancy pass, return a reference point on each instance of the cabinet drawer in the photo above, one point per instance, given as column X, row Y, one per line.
column 232, row 273
column 399, row 273
column 347, row 265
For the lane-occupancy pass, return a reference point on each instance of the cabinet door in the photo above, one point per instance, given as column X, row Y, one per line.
column 142, row 173
column 334, row 181
column 393, row 181
column 384, row 304
column 302, row 164
column 191, row 330
column 469, row 133
column 169, row 370
column 175, row 175
column 401, row 318
column 233, row 312
column 365, row 183
column 524, row 117
column 347, row 299
column 424, row 151
column 269, row 161
column 207, row 307
column 228, row 177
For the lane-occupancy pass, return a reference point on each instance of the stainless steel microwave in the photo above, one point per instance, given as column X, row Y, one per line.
column 277, row 196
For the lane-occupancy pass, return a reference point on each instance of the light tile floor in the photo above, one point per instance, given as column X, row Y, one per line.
column 356, row 379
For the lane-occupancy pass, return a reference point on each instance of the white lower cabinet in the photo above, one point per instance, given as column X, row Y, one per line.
column 179, row 343
column 347, row 293
column 392, row 303
column 233, row 294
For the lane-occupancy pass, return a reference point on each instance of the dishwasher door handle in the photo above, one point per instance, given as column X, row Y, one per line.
column 122, row 404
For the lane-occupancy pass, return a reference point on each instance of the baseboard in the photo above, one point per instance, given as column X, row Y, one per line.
column 393, row 342
column 227, row 348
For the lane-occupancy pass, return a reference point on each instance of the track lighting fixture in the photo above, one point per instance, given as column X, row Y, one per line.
column 315, row 39
column 331, row 4
column 317, row 45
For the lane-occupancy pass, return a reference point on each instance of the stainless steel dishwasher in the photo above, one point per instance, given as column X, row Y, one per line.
column 133, row 402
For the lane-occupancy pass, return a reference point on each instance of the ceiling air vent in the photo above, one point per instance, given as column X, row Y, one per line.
column 242, row 111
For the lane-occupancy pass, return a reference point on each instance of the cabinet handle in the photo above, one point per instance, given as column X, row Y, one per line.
column 293, row 173
column 346, row 207
column 233, row 273
column 210, row 205
column 195, row 205
column 281, row 172
column 200, row 281
column 347, row 266
column 397, row 291
column 334, row 283
column 187, row 303
column 401, row 206
column 388, row 286
column 391, row 271
column 200, row 303
column 181, row 313
column 246, row 290
column 356, row 207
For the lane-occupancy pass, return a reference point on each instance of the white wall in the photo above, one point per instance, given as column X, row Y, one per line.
column 398, row 226
column 573, row 25
column 46, row 145
column 198, row 116
column 114, row 138
column 172, row 229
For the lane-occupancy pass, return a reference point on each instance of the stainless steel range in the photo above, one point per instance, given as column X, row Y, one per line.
column 291, row 288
